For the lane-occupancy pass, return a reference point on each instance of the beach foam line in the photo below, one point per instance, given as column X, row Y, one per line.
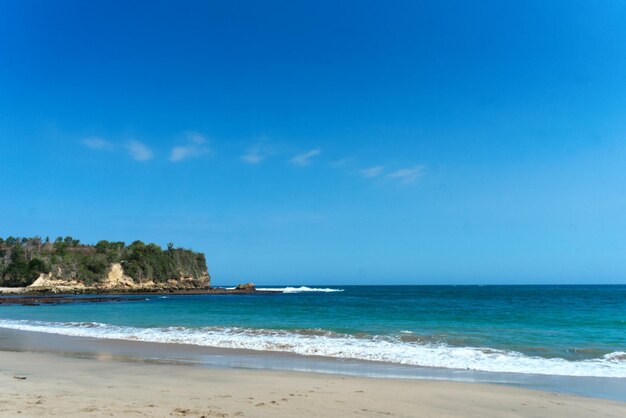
column 343, row 346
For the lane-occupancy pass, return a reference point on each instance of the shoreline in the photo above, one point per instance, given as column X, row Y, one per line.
column 15, row 293
column 36, row 384
column 205, row 357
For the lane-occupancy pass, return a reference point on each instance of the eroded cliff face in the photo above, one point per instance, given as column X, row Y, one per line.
column 116, row 281
column 50, row 281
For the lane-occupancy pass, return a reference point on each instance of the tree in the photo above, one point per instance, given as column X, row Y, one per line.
column 36, row 266
column 102, row 246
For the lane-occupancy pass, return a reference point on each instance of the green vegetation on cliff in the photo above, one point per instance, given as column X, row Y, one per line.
column 22, row 260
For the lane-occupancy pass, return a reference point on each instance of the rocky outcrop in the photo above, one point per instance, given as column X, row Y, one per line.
column 104, row 265
column 246, row 287
column 116, row 281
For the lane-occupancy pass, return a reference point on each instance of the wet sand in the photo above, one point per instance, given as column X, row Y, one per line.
column 40, row 384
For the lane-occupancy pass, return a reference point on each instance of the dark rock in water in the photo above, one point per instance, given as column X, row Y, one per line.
column 246, row 286
column 57, row 300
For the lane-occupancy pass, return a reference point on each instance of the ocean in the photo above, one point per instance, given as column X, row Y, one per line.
column 541, row 330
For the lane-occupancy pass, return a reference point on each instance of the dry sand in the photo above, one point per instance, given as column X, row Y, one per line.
column 35, row 384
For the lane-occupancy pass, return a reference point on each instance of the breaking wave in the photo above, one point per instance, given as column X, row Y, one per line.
column 300, row 289
column 290, row 289
column 324, row 343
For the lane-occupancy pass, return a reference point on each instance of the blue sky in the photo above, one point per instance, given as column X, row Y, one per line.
column 324, row 142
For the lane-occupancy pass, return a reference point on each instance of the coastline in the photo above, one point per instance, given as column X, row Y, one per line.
column 14, row 293
column 36, row 384
column 192, row 338
column 212, row 358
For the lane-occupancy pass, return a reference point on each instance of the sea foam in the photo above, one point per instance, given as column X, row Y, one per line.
column 322, row 343
column 301, row 289
column 290, row 289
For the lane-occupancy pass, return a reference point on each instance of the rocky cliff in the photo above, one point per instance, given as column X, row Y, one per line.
column 116, row 281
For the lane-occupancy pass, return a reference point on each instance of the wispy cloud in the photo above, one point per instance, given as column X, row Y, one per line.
column 139, row 151
column 97, row 143
column 195, row 147
column 196, row 137
column 408, row 175
column 304, row 159
column 342, row 162
column 252, row 157
column 372, row 171
column 181, row 153
column 257, row 153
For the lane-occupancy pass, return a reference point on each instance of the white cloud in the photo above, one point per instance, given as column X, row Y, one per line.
column 257, row 153
column 97, row 143
column 252, row 157
column 342, row 162
column 195, row 148
column 196, row 138
column 305, row 158
column 139, row 151
column 373, row 171
column 181, row 153
column 408, row 175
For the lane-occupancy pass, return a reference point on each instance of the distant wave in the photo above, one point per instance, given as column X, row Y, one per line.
column 324, row 343
column 300, row 289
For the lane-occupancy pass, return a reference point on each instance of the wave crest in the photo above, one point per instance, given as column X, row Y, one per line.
column 301, row 289
column 324, row 343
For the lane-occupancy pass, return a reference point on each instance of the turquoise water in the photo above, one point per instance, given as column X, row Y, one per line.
column 557, row 330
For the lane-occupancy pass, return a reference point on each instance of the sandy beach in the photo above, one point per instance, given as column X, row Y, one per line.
column 40, row 384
